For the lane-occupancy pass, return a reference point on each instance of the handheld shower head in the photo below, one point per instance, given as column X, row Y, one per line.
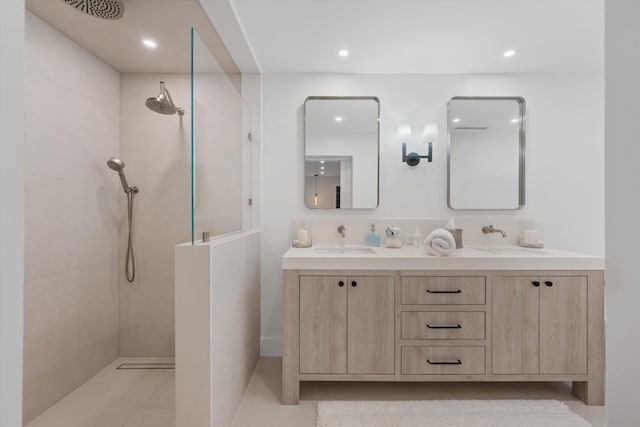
column 163, row 103
column 115, row 164
column 118, row 166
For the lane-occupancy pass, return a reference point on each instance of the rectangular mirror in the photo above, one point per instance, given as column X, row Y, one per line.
column 341, row 146
column 486, row 152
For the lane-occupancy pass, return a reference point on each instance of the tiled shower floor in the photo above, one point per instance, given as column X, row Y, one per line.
column 117, row 398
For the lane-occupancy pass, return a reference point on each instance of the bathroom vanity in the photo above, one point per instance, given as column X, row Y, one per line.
column 484, row 314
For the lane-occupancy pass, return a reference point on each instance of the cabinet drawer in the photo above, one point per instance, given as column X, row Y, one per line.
column 443, row 290
column 443, row 360
column 443, row 325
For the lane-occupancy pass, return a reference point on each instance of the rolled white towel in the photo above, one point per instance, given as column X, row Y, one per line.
column 440, row 242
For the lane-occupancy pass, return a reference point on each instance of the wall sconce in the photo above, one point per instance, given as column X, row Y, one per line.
column 429, row 136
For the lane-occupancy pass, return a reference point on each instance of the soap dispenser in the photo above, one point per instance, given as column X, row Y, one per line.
column 373, row 239
column 417, row 238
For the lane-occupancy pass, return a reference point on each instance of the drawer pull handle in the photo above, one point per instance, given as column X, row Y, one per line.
column 341, row 283
column 536, row 283
column 444, row 292
column 459, row 362
column 548, row 283
column 458, row 326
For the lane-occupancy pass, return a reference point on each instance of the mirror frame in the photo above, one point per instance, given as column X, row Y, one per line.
column 304, row 138
column 521, row 146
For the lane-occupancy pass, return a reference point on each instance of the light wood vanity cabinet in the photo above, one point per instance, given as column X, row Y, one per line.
column 347, row 325
column 539, row 325
column 444, row 326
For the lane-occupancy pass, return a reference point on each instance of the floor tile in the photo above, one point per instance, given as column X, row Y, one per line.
column 145, row 398
column 153, row 417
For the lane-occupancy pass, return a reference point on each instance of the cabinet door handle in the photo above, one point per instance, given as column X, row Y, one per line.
column 444, row 292
column 458, row 326
column 548, row 283
column 354, row 284
column 536, row 283
column 341, row 283
column 459, row 362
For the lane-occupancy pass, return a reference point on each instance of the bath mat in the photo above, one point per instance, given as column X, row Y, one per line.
column 448, row 413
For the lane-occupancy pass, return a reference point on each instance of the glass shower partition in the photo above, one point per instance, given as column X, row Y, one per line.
column 221, row 200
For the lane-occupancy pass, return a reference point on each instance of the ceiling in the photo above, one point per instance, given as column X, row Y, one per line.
column 119, row 42
column 425, row 36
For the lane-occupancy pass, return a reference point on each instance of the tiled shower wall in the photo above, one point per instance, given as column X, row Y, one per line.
column 71, row 200
column 156, row 149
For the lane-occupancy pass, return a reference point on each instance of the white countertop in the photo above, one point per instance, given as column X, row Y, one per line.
column 468, row 258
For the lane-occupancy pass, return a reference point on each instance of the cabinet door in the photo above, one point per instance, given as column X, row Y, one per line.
column 323, row 325
column 563, row 325
column 515, row 348
column 371, row 325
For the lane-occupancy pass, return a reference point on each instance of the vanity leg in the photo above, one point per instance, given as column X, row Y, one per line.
column 290, row 338
column 290, row 391
column 590, row 392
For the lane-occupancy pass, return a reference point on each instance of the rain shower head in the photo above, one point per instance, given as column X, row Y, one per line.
column 163, row 103
column 103, row 9
column 118, row 165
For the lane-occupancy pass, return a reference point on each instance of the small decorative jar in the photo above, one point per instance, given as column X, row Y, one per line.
column 300, row 233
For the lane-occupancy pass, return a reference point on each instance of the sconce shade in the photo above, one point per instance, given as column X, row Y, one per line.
column 430, row 133
column 404, row 134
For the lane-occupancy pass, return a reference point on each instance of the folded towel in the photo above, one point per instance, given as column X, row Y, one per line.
column 440, row 242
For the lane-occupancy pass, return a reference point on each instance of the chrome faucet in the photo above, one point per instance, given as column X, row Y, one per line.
column 490, row 229
column 342, row 231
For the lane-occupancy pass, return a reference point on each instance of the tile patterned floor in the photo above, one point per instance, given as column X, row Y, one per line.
column 260, row 406
column 145, row 398
column 117, row 398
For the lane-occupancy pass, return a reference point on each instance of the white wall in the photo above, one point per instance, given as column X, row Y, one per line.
column 622, row 207
column 11, row 209
column 71, row 200
column 564, row 177
column 217, row 327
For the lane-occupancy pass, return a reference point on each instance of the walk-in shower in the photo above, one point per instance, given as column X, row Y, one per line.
column 163, row 103
column 130, row 262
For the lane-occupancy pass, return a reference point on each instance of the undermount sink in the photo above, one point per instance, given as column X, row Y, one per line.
column 352, row 250
column 510, row 250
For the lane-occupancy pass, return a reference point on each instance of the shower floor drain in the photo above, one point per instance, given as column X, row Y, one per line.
column 126, row 366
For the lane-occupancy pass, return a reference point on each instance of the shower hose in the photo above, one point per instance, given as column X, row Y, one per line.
column 130, row 262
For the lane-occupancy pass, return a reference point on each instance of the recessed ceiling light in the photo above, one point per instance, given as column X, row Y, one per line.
column 509, row 53
column 343, row 52
column 322, row 172
column 456, row 120
column 321, row 161
column 322, row 167
column 515, row 120
column 338, row 118
column 151, row 44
